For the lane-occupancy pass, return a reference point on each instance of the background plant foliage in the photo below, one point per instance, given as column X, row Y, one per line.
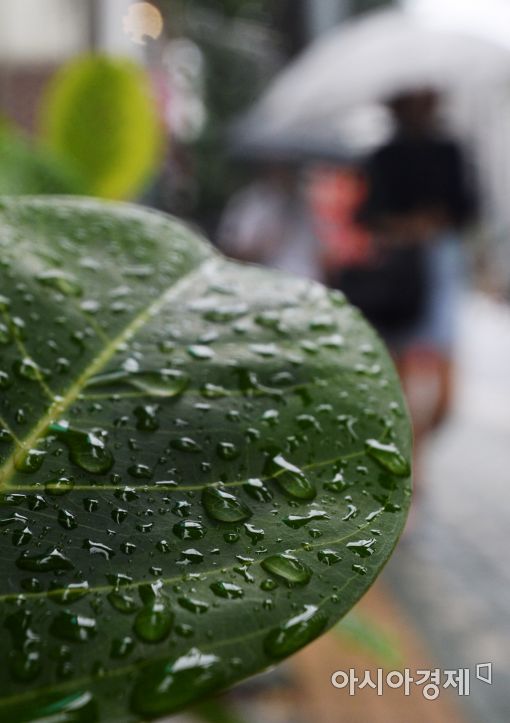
column 26, row 168
column 203, row 465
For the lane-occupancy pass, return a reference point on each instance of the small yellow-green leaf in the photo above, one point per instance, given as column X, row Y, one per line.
column 99, row 113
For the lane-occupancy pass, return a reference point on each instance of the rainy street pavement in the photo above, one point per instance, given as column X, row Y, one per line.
column 451, row 570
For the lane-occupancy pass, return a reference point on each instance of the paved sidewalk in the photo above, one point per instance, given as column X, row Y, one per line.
column 313, row 668
column 452, row 571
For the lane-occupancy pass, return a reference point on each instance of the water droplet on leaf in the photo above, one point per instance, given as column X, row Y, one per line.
column 75, row 628
column 292, row 480
column 228, row 590
column 198, row 607
column 154, row 621
column 297, row 521
column 169, row 685
column 224, row 506
column 86, row 449
column 122, row 647
column 61, row 281
column 162, row 383
column 185, row 444
column 50, row 561
column 337, row 484
column 189, row 530
column 67, row 519
column 389, row 457
column 363, row 548
column 295, row 633
column 227, row 451
column 98, row 548
column 199, row 351
column 147, row 419
column 122, row 601
column 29, row 461
column 328, row 557
column 258, row 490
column 288, row 569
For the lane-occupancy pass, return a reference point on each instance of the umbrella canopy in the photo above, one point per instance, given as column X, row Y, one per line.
column 335, row 92
column 372, row 59
column 342, row 140
column 252, row 143
column 489, row 19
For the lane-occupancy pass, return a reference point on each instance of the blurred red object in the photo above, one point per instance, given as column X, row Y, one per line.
column 336, row 195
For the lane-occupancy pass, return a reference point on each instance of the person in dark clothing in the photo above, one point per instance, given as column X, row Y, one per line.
column 418, row 192
column 419, row 201
column 418, row 174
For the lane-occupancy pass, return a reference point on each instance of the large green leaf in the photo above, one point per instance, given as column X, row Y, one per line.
column 204, row 465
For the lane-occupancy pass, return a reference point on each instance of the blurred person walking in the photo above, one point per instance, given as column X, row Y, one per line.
column 419, row 201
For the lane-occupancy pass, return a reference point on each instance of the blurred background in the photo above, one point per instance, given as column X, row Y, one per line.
column 362, row 143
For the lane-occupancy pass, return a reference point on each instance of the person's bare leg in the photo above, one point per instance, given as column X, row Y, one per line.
column 427, row 377
column 446, row 376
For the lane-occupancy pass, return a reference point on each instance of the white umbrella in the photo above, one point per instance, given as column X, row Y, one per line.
column 489, row 19
column 372, row 58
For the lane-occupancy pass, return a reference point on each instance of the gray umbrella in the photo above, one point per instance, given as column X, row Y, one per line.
column 249, row 142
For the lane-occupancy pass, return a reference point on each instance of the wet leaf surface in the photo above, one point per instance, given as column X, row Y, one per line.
column 203, row 465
